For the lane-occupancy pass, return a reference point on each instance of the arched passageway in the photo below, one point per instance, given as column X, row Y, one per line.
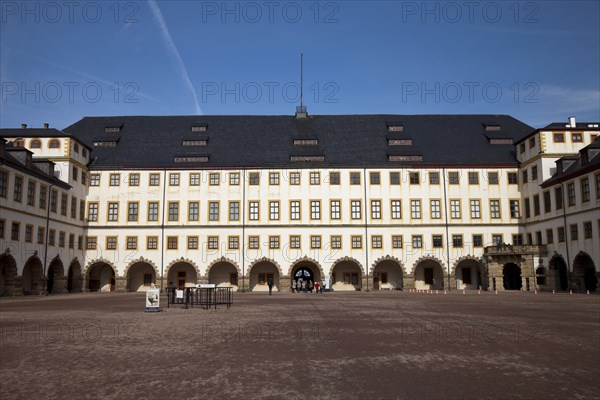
column 101, row 278
column 182, row 275
column 429, row 275
column 140, row 277
column 33, row 276
column 260, row 274
column 346, row 275
column 584, row 273
column 512, row 277
column 388, row 275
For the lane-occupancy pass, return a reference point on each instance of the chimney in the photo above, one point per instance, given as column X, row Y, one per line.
column 301, row 112
column 572, row 122
column 23, row 126
column 46, row 125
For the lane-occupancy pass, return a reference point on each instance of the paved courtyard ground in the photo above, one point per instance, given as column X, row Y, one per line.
column 393, row 345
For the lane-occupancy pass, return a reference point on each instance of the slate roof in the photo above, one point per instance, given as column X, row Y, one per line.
column 577, row 168
column 268, row 141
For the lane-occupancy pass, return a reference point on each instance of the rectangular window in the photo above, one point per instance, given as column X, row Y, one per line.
column 473, row 178
column 334, row 178
column 91, row 243
column 514, row 209
column 132, row 243
column 315, row 209
column 132, row 212
column 534, row 173
column 73, row 207
column 453, row 178
column 253, row 242
column 587, row 230
column 522, row 148
column 585, row 189
column 295, row 210
column 394, row 178
column 415, row 209
column 253, row 178
column 512, row 178
column 414, row 178
column 375, row 209
column 477, row 240
column 561, row 234
column 315, row 242
column 83, row 179
column 335, row 209
column 375, row 178
column 571, row 194
column 457, row 241
column 336, row 242
column 234, row 211
column 193, row 211
column 294, row 178
column 113, row 211
column 31, row 193
column 315, row 178
column 274, row 178
column 174, row 179
column 81, row 210
column 233, row 242
column 234, row 178
column 29, row 233
column 549, row 236
column 455, row 209
column 493, row 178
column 356, row 242
column 213, row 243
column 417, row 241
column 536, row 204
column 355, row 209
column 527, row 208
column 115, row 179
column 547, row 202
column 558, row 137
column 436, row 209
column 597, row 186
column 273, row 210
column 475, row 209
column 53, row 200
column 152, row 242
column 51, row 237
column 254, row 214
column 93, row 212
column 497, row 240
column 134, row 179
column 213, row 210
column 173, row 211
column 524, row 175
column 355, row 178
column 214, row 179
column 294, row 242
column 576, row 137
column 434, row 178
column 153, row 211
column 558, row 198
column 111, row 243
column 80, row 242
column 194, row 179
column 18, row 189
column 172, row 242
column 376, row 241
column 64, row 203
column 396, row 208
column 3, row 184
column 574, row 232
column 397, row 241
column 532, row 142
column 495, row 209
column 43, row 198
column 154, row 180
column 95, row 180
column 41, row 234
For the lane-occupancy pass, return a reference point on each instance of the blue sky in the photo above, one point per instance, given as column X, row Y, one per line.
column 538, row 61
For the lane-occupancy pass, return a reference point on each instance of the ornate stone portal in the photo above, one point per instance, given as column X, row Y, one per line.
column 512, row 267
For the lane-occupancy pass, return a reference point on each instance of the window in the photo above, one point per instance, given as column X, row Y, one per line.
column 561, row 234
column 35, row 144
column 315, row 242
column 194, row 179
column 396, row 241
column 75, row 173
column 524, row 174
column 585, row 189
column 153, row 211
column 53, row 200
column 536, row 204
column 54, row 144
column 538, row 237
column 396, row 207
column 315, row 209
column 335, row 207
column 436, row 210
column 172, row 242
column 417, row 241
column 532, row 142
column 51, row 237
column 132, row 212
column 213, row 243
column 294, row 242
column 355, row 209
column 473, row 178
column 455, row 209
column 414, row 178
column 213, row 210
column 355, row 178
column 356, row 242
column 214, row 179
column 173, row 211
column 477, row 240
column 375, row 209
column 434, row 178
column 113, row 211
column 253, row 211
column 574, row 232
column 41, row 233
column 495, row 209
column 253, row 178
column 154, row 180
column 598, row 186
column 42, row 199
column 234, row 211
column 375, row 178
column 571, row 194
column 294, row 178
column 115, row 179
column 334, row 178
column 522, row 148
column 29, row 233
column 547, row 202
column 295, row 210
column 514, row 209
column 497, row 240
column 274, row 210
column 394, row 178
column 512, row 178
column 336, row 242
column 576, row 137
column 174, row 179
column 253, row 242
column 93, row 212
column 84, row 152
column 234, row 178
column 95, row 180
column 587, row 230
column 315, row 178
column 80, row 242
column 193, row 211
column 453, row 178
column 233, row 242
column 64, row 201
column 475, row 209
column 274, row 178
column 91, row 242
column 493, row 178
column 457, row 241
column 111, row 243
column 534, row 173
column 132, row 243
column 558, row 137
column 549, row 236
column 376, row 241
column 415, row 209
column 558, row 197
column 18, row 189
column 31, row 193
column 152, row 242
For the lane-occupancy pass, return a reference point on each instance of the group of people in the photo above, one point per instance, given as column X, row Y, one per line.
column 302, row 285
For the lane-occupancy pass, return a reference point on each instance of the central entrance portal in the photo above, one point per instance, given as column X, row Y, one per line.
column 304, row 274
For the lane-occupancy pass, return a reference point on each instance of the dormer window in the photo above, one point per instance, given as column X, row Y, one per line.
column 502, row 141
column 392, row 157
column 306, row 142
column 105, row 144
column 35, row 144
column 112, row 129
column 307, row 158
column 491, row 127
column 189, row 159
column 395, row 127
column 54, row 144
column 199, row 127
column 400, row 142
column 194, row 143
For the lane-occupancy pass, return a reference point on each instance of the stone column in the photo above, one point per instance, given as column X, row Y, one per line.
column 408, row 282
column 120, row 284
column 285, row 283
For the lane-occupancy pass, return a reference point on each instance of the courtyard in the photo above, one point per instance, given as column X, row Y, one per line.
column 340, row 345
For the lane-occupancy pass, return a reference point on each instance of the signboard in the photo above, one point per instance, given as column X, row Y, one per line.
column 179, row 294
column 153, row 300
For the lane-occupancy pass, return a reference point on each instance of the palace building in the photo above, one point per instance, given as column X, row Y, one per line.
column 358, row 202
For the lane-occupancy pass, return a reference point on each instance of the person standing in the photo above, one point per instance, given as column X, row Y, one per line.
column 270, row 284
column 304, row 286
column 317, row 286
column 293, row 286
